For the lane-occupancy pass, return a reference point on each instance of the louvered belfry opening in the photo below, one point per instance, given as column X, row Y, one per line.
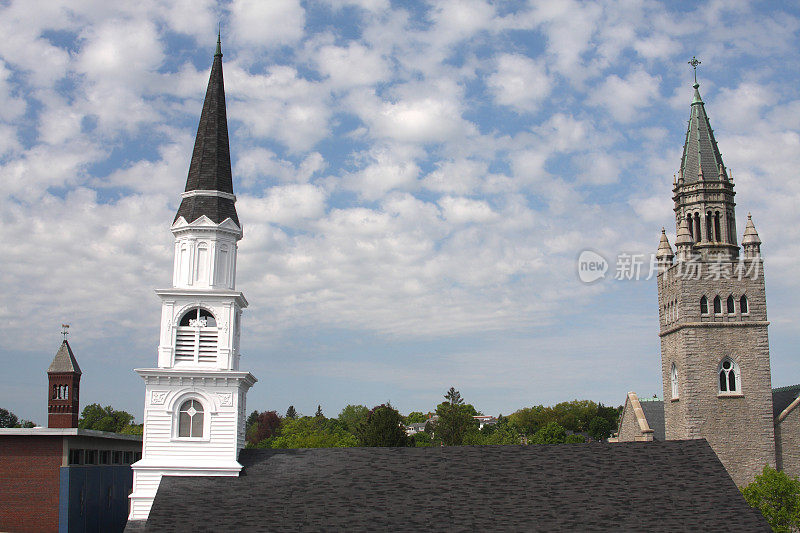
column 196, row 337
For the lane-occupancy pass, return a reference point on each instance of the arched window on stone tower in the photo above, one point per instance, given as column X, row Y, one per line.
column 709, row 225
column 717, row 305
column 690, row 224
column 743, row 305
column 730, row 306
column 729, row 380
column 674, row 380
column 717, row 231
column 703, row 305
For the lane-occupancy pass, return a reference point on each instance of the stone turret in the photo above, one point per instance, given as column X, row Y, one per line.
column 751, row 242
column 664, row 254
column 684, row 241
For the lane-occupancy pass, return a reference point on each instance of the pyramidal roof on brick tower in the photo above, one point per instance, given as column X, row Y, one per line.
column 209, row 185
column 64, row 361
column 701, row 160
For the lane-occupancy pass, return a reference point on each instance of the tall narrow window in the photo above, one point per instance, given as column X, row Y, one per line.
column 703, row 305
column 730, row 307
column 196, row 337
column 729, row 381
column 717, row 232
column 222, row 264
column 717, row 305
column 190, row 419
column 743, row 305
column 698, row 236
column 709, row 235
column 690, row 224
column 202, row 262
column 674, row 380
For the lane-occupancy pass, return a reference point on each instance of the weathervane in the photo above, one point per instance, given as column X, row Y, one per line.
column 64, row 330
column 694, row 62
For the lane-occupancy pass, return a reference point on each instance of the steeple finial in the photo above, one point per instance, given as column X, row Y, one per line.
column 65, row 330
column 694, row 62
column 219, row 41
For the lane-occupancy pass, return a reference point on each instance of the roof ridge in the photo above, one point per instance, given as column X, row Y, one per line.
column 786, row 388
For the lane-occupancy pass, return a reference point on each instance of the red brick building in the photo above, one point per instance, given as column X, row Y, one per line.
column 61, row 478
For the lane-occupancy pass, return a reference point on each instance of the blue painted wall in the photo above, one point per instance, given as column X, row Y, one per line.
column 94, row 498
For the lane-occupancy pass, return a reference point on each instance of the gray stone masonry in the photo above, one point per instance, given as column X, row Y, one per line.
column 787, row 442
column 739, row 427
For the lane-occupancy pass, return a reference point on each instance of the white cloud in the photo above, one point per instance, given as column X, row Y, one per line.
column 285, row 204
column 386, row 172
column 519, row 82
column 626, row 98
column 351, row 65
column 277, row 22
column 460, row 210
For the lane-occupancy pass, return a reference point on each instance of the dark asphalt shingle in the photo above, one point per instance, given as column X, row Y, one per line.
column 656, row 486
column 210, row 168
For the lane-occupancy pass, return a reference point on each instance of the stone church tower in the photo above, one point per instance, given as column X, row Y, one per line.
column 713, row 315
column 195, row 397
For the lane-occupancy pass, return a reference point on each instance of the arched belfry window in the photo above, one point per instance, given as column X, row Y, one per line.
column 717, row 305
column 729, row 380
column 190, row 419
column 730, row 306
column 196, row 337
column 674, row 380
column 703, row 305
column 743, row 308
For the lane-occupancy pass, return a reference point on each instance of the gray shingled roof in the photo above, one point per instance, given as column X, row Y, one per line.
column 654, row 413
column 656, row 486
column 210, row 168
column 700, row 146
column 64, row 361
column 782, row 397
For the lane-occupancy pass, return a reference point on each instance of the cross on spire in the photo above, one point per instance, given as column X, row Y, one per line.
column 694, row 62
column 65, row 330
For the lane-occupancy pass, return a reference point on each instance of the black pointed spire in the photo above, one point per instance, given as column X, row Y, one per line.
column 209, row 186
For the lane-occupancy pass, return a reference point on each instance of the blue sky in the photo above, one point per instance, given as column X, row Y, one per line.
column 415, row 180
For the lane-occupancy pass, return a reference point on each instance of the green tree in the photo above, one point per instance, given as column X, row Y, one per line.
column 252, row 419
column 552, row 433
column 384, row 427
column 353, row 417
column 97, row 417
column 777, row 496
column 133, row 429
column 415, row 417
column 453, row 423
column 600, row 428
column 8, row 419
column 453, row 397
column 310, row 432
column 420, row 440
column 291, row 412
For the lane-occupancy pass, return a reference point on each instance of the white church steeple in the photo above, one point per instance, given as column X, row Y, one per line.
column 195, row 397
